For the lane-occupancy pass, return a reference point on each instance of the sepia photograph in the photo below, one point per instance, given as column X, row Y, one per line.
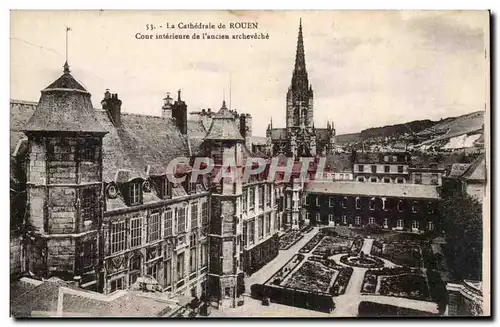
column 253, row 164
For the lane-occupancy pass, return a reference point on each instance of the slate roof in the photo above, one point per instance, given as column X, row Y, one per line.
column 140, row 141
column 64, row 106
column 414, row 191
column 477, row 170
column 457, row 170
column 224, row 126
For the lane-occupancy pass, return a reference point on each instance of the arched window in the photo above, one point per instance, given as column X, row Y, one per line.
column 372, row 204
column 344, row 202
column 414, row 207
column 371, row 220
column 358, row 203
column 400, row 205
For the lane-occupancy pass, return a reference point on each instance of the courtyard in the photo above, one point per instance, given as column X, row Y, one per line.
column 348, row 268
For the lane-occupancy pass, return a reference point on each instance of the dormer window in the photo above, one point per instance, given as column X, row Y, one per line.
column 134, row 193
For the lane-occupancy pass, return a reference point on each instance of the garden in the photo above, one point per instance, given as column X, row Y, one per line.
column 312, row 277
column 281, row 274
column 330, row 245
column 287, row 240
column 406, row 254
column 399, row 282
column 312, row 243
column 362, row 261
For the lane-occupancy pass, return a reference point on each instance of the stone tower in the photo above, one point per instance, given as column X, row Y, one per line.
column 224, row 144
column 299, row 105
column 64, row 185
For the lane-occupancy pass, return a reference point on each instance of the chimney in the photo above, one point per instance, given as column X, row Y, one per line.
column 179, row 113
column 113, row 107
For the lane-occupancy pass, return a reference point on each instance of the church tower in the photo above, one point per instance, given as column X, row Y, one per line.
column 299, row 105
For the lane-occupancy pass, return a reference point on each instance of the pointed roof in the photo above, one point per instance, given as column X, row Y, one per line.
column 224, row 126
column 64, row 106
column 299, row 78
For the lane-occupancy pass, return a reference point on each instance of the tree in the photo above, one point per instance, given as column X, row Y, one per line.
column 462, row 222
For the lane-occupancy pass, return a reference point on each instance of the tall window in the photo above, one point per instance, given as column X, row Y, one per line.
column 400, row 223
column 357, row 220
column 134, row 193
column 415, row 224
column 418, row 178
column 384, row 202
column 203, row 255
column 400, row 205
column 244, row 199
column 168, row 272
column 317, row 201
column 331, row 201
column 318, row 217
column 168, row 222
column 358, row 203
column 374, row 169
column 344, row 219
column 181, row 220
column 268, row 224
column 192, row 260
column 204, row 213
column 344, row 202
column 386, row 222
column 117, row 284
column 194, row 214
column 371, row 220
column 154, row 227
column 89, row 252
column 153, row 270
column 261, row 197
column 434, row 179
column 430, row 208
column 361, row 168
column 331, row 218
column 268, row 195
column 400, row 169
column 372, row 204
column 117, row 236
column 387, row 169
column 251, row 195
column 245, row 233
column 251, row 232
column 180, row 266
column 135, row 232
column 430, row 225
column 261, row 227
column 414, row 207
column 89, row 204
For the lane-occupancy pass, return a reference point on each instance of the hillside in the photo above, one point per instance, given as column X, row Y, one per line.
column 423, row 129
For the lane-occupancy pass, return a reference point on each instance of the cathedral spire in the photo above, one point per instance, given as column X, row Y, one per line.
column 300, row 61
column 300, row 81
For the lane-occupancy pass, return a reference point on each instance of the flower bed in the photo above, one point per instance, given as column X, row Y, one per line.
column 399, row 282
column 307, row 229
column 281, row 274
column 408, row 285
column 364, row 261
column 340, row 284
column 312, row 243
column 311, row 276
column 405, row 254
column 330, row 245
column 287, row 240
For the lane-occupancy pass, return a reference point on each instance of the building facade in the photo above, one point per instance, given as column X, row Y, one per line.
column 404, row 207
column 300, row 138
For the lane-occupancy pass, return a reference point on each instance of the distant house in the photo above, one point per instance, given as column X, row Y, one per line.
column 468, row 178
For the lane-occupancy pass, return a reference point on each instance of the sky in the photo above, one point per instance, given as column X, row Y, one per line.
column 367, row 68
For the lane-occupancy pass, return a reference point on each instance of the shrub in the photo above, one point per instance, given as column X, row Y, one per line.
column 257, row 291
